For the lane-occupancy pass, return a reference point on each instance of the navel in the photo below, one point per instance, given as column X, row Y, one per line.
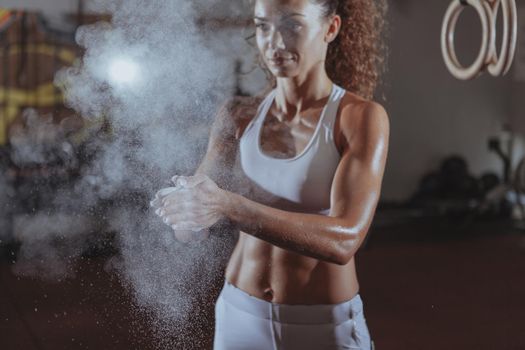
column 268, row 294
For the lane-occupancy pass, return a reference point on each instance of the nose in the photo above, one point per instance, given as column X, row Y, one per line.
column 276, row 40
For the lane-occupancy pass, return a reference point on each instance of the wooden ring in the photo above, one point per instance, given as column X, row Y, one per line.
column 513, row 37
column 500, row 64
column 447, row 38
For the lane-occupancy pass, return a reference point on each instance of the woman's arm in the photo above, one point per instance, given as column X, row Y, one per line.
column 219, row 159
column 221, row 142
column 231, row 119
column 354, row 195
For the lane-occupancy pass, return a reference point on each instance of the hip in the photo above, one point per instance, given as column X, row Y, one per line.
column 247, row 322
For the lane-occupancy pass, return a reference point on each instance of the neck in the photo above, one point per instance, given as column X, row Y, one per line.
column 297, row 94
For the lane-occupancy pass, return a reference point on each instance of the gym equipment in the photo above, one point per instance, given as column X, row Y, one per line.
column 497, row 64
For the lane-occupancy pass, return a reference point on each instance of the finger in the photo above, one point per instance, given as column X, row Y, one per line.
column 174, row 179
column 188, row 221
column 182, row 222
column 156, row 203
column 162, row 212
column 188, row 181
column 182, row 195
column 182, row 203
column 186, row 225
column 175, row 217
column 170, row 219
column 194, row 224
column 179, row 180
column 183, row 212
column 165, row 191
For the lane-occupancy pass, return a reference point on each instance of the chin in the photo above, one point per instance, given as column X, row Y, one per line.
column 283, row 73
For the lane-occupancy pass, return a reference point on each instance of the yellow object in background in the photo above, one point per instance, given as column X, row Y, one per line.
column 31, row 55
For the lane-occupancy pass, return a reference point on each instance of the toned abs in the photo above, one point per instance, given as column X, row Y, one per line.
column 269, row 272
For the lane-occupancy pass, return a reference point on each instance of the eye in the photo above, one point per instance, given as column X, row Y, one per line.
column 293, row 26
column 262, row 26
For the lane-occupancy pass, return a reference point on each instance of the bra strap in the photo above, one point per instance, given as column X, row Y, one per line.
column 333, row 105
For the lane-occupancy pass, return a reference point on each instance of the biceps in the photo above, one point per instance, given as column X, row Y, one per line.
column 356, row 190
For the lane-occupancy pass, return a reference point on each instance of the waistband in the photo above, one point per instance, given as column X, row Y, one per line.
column 285, row 313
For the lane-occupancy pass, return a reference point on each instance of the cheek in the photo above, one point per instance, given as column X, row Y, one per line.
column 259, row 41
column 261, row 46
column 313, row 45
column 308, row 40
column 305, row 49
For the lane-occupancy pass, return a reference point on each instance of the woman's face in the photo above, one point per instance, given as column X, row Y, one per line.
column 291, row 35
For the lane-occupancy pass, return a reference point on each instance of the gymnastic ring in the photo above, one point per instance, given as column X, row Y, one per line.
column 447, row 38
column 500, row 65
column 513, row 34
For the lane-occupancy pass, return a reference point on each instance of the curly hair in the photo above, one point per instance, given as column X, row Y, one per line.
column 356, row 59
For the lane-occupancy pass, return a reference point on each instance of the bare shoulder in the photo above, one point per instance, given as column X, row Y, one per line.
column 236, row 113
column 361, row 118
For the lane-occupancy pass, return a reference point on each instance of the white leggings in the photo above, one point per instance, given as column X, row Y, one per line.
column 244, row 322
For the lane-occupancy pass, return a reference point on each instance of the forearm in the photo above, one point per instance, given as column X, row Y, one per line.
column 322, row 237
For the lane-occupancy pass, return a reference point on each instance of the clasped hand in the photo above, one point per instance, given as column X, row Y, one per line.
column 190, row 207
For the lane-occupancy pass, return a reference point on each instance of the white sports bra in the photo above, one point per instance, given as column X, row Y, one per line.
column 305, row 179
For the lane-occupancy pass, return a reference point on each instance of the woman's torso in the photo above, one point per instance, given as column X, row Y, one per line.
column 263, row 269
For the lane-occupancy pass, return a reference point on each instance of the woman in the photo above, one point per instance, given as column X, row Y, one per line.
column 315, row 153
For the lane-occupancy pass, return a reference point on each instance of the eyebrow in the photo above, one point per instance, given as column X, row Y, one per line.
column 286, row 16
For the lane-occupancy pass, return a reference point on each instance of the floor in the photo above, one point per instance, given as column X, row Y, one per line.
column 426, row 284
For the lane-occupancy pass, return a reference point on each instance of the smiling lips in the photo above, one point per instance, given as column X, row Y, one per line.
column 279, row 60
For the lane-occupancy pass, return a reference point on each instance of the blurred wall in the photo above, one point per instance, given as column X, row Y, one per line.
column 432, row 114
column 518, row 84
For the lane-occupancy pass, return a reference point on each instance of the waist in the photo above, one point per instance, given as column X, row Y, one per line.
column 286, row 313
column 256, row 266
